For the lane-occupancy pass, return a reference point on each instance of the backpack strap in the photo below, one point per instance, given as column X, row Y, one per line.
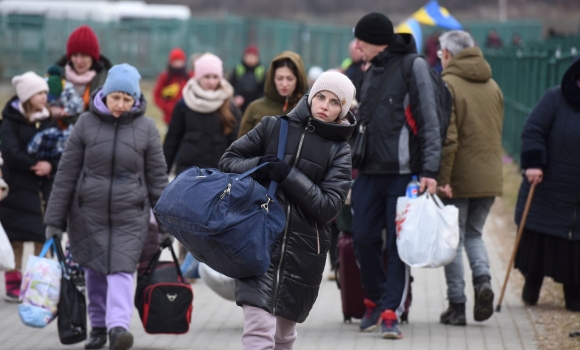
column 407, row 70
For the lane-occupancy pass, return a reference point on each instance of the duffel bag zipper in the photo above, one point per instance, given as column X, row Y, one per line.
column 218, row 197
column 285, row 235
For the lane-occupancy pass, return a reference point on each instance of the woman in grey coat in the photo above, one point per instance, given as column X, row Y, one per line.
column 111, row 172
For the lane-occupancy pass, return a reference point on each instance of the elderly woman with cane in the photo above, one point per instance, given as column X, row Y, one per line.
column 550, row 243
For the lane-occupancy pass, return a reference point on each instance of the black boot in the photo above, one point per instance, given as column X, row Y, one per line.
column 483, row 308
column 572, row 297
column 120, row 339
column 97, row 339
column 532, row 287
column 454, row 315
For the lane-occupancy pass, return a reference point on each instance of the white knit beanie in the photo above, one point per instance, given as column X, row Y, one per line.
column 337, row 83
column 28, row 85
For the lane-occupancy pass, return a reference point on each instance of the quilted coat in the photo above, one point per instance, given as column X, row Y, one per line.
column 312, row 194
column 111, row 172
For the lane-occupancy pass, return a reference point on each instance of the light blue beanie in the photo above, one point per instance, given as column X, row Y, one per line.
column 123, row 78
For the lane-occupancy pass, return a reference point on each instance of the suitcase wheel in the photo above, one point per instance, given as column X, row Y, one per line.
column 347, row 318
column 405, row 318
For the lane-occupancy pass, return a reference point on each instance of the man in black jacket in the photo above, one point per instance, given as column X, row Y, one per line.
column 403, row 139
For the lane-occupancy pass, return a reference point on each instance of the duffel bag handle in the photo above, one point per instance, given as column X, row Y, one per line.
column 281, row 150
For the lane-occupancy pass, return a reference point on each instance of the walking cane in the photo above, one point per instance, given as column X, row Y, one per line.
column 518, row 238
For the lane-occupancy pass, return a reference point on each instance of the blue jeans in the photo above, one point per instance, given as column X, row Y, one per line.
column 374, row 204
column 472, row 215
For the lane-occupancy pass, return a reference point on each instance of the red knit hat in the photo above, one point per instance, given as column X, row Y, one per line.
column 83, row 40
column 176, row 54
column 252, row 49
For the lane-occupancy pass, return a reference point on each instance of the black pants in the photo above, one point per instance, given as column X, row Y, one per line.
column 374, row 202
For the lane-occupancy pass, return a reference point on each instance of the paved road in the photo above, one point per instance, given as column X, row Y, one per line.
column 217, row 323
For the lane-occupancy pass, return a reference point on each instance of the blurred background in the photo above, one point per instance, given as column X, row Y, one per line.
column 529, row 43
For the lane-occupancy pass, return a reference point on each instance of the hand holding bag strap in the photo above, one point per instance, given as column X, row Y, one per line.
column 61, row 258
column 281, row 150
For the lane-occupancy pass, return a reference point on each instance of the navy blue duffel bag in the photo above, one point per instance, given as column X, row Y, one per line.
column 227, row 221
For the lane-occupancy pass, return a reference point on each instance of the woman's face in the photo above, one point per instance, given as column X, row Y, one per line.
column 326, row 106
column 38, row 101
column 209, row 82
column 81, row 62
column 285, row 81
column 119, row 103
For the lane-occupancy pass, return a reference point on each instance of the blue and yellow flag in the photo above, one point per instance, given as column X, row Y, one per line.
column 433, row 14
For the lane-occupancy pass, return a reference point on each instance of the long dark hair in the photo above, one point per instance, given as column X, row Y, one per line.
column 287, row 62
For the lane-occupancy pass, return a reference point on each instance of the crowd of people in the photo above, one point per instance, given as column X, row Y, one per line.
column 81, row 157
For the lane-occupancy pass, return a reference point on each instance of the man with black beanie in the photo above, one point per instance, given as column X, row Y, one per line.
column 402, row 140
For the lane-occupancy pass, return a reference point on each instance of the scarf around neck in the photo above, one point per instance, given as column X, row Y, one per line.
column 78, row 79
column 205, row 101
column 35, row 116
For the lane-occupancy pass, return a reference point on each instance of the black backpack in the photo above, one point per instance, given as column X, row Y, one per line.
column 442, row 95
column 163, row 298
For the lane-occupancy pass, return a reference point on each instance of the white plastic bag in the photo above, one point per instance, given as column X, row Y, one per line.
column 427, row 231
column 40, row 290
column 6, row 252
column 221, row 284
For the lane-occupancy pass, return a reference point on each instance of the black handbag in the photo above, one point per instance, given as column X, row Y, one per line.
column 72, row 306
column 359, row 148
column 163, row 298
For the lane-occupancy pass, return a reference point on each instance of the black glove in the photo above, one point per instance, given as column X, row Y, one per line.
column 262, row 174
column 278, row 170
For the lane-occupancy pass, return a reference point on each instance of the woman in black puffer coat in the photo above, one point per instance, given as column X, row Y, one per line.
column 314, row 179
column 550, row 244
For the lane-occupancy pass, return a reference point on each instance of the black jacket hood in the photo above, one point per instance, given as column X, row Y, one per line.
column 330, row 131
column 569, row 86
column 11, row 112
column 401, row 44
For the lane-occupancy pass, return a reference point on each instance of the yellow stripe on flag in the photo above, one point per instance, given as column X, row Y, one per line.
column 423, row 17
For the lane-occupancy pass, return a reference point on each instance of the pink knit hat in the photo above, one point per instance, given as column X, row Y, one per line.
column 208, row 64
column 337, row 83
column 28, row 85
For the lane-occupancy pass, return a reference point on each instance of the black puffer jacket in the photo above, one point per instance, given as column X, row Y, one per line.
column 197, row 139
column 551, row 142
column 312, row 194
column 21, row 212
column 403, row 134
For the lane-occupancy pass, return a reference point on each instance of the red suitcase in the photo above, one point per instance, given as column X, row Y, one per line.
column 349, row 283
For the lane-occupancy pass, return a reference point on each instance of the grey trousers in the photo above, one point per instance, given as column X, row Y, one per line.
column 472, row 215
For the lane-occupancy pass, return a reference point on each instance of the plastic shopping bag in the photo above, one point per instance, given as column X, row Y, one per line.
column 221, row 284
column 427, row 231
column 6, row 252
column 40, row 290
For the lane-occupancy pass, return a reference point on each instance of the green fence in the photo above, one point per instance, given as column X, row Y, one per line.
column 524, row 78
column 35, row 42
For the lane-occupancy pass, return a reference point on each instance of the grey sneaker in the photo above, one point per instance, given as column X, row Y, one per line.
column 390, row 325
column 371, row 318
